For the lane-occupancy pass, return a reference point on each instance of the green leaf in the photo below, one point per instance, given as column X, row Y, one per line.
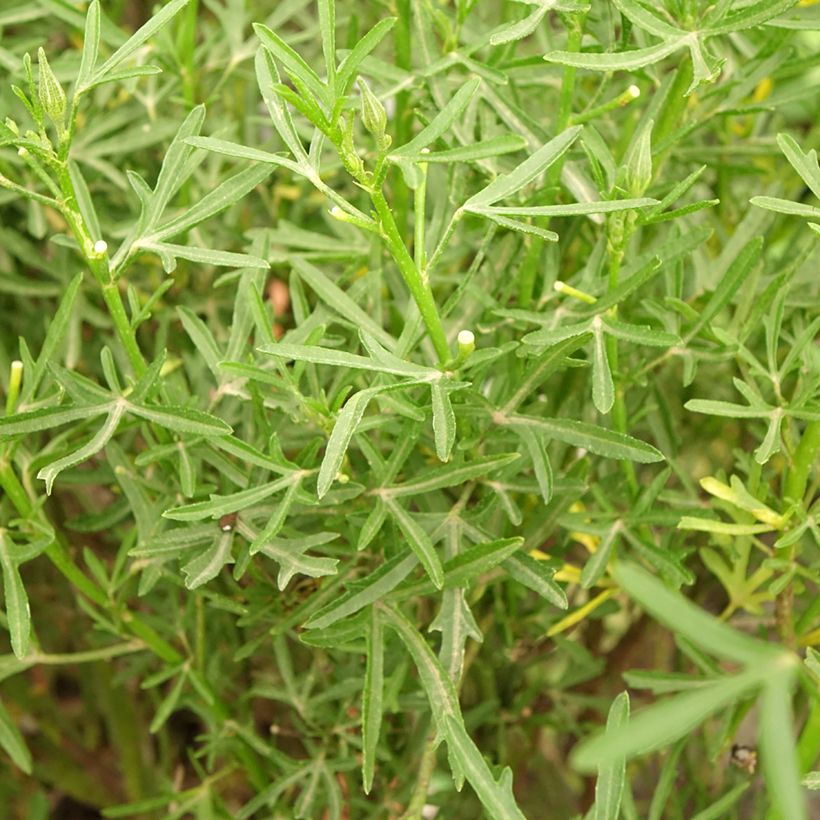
column 18, row 615
column 468, row 565
column 771, row 443
column 689, row 522
column 327, row 31
column 640, row 334
column 508, row 184
column 689, row 621
column 367, row 591
column 780, row 762
column 337, row 300
column 204, row 256
column 223, row 196
column 12, row 742
column 220, row 505
column 209, row 563
column 617, row 61
column 348, row 69
column 291, row 60
column 540, row 462
column 346, row 423
column 278, row 518
column 644, row 19
column 418, row 540
column 599, row 440
column 57, row 328
column 730, row 284
column 663, row 723
column 597, row 563
column 340, row 358
column 440, row 124
column 660, row 683
column 169, row 702
column 125, row 74
column 450, row 475
column 444, row 421
column 496, row 796
column 91, row 45
column 805, row 164
column 609, row 786
column 237, row 151
column 541, row 369
column 786, row 206
column 521, row 28
column 175, row 167
column 570, row 209
column 134, row 43
column 536, row 576
column 182, row 419
column 519, row 226
column 720, row 808
column 372, row 698
column 50, row 472
column 48, row 417
column 456, row 623
column 438, row 686
column 750, row 16
column 483, row 149
column 203, row 339
column 726, row 408
column 267, row 77
column 603, row 388
column 289, row 553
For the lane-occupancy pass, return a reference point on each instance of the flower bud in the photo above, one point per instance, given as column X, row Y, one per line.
column 52, row 96
column 374, row 116
column 466, row 343
column 638, row 161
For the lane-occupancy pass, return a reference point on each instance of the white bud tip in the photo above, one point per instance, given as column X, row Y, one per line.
column 466, row 337
column 634, row 92
column 100, row 246
column 21, row 152
column 335, row 211
column 559, row 286
column 424, row 151
column 16, row 366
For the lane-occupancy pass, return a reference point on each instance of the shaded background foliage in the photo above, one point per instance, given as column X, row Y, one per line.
column 173, row 669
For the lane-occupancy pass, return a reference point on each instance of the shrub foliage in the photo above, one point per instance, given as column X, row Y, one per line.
column 410, row 406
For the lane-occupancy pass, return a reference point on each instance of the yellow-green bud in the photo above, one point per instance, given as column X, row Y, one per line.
column 52, row 96
column 638, row 161
column 374, row 116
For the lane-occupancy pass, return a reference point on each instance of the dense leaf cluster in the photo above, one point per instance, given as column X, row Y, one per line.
column 396, row 393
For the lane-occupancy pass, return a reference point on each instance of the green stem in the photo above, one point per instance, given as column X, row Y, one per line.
column 99, row 265
column 574, row 38
column 425, row 772
column 5, row 182
column 672, row 112
column 793, row 492
column 419, row 215
column 123, row 327
column 804, row 458
column 619, row 414
column 89, row 656
column 14, row 490
column 416, row 281
column 444, row 241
